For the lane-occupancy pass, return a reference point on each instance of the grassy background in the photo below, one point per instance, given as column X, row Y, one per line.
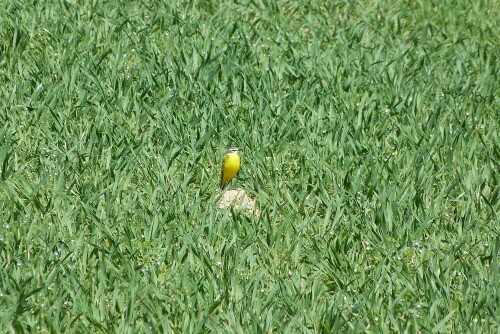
column 371, row 138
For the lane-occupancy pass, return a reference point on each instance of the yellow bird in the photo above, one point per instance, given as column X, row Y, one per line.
column 230, row 166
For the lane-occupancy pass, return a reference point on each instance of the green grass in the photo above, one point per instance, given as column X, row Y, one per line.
column 371, row 135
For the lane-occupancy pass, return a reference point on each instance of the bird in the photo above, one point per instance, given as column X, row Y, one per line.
column 230, row 166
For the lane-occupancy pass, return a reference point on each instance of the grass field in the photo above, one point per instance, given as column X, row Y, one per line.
column 371, row 137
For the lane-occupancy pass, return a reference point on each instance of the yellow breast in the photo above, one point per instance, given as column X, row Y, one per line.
column 229, row 168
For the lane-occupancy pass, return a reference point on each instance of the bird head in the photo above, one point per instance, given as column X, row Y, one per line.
column 233, row 150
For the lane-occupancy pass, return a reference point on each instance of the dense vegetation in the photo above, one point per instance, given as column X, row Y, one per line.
column 371, row 135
